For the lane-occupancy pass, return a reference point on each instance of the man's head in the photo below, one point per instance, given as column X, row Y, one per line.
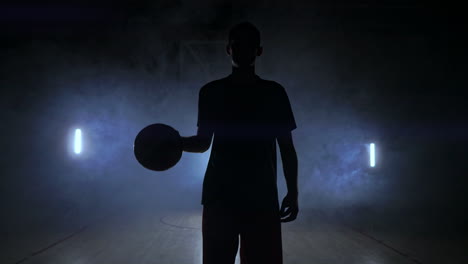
column 244, row 44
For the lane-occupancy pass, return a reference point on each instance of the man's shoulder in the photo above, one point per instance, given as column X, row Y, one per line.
column 209, row 86
column 222, row 82
column 271, row 84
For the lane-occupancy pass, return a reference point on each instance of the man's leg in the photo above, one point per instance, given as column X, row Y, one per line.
column 261, row 238
column 220, row 236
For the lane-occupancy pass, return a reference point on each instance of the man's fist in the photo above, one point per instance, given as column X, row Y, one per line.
column 290, row 214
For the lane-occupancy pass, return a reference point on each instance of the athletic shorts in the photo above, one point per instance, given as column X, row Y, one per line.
column 259, row 232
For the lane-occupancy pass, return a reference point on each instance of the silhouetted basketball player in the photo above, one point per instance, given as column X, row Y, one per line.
column 246, row 115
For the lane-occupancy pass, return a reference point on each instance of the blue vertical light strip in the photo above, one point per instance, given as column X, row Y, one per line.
column 372, row 155
column 78, row 141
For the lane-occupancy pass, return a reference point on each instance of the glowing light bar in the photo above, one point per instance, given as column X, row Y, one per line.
column 372, row 155
column 78, row 141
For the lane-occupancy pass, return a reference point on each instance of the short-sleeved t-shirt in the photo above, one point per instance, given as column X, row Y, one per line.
column 245, row 120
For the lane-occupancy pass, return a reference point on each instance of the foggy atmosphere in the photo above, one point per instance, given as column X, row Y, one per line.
column 377, row 90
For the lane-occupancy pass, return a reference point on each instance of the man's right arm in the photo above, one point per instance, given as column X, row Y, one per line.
column 202, row 140
column 199, row 143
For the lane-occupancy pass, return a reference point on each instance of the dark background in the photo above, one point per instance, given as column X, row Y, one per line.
column 388, row 72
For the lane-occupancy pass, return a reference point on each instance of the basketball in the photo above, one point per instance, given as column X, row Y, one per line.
column 158, row 147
